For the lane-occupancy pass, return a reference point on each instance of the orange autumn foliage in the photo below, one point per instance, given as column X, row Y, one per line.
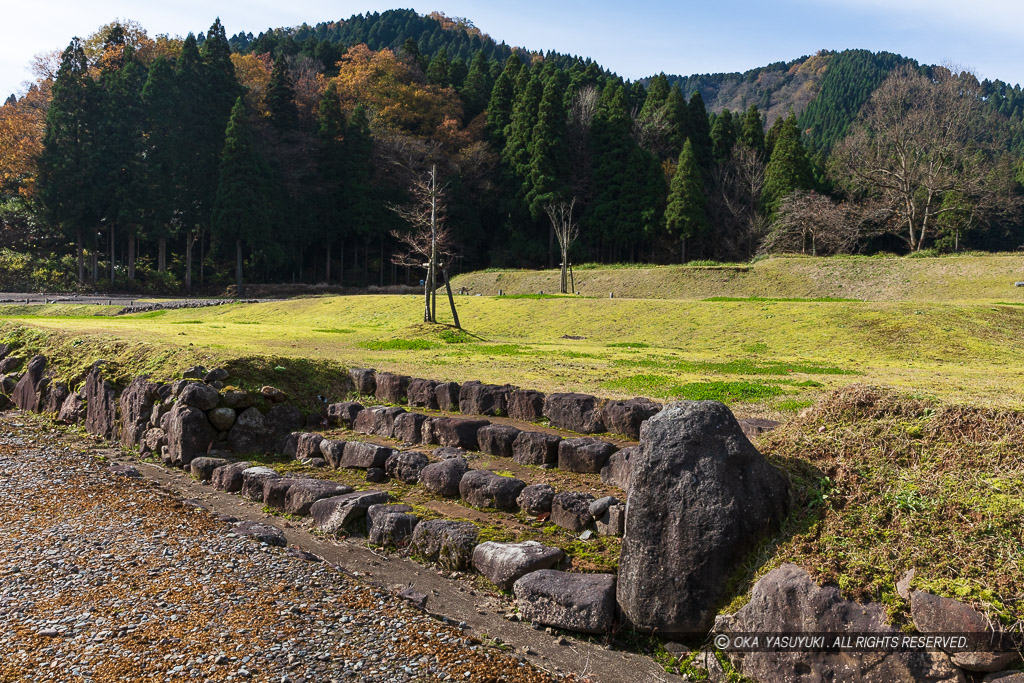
column 253, row 72
column 22, row 126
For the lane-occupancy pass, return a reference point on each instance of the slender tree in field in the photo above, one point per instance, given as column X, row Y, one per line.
column 686, row 216
column 240, row 212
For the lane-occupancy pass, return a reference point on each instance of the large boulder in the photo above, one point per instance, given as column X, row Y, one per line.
column 332, row 451
column 584, row 454
column 476, row 398
column 936, row 614
column 409, row 427
column 379, row 420
column 505, row 563
column 29, row 393
column 442, row 478
column 55, row 397
column 701, row 497
column 457, row 432
column 251, row 433
column 526, row 405
column 447, row 395
column 420, row 393
column 446, row 542
column 153, row 441
column 483, row 488
column 10, row 364
column 390, row 525
column 625, row 417
column 536, row 499
column 571, row 510
column 301, row 495
column 343, row 414
column 616, row 472
column 223, row 418
column 189, row 434
column 580, row 413
column 786, row 600
column 203, row 468
column 136, row 410
column 406, row 466
column 577, row 602
column 275, row 490
column 332, row 515
column 199, row 395
column 237, row 399
column 100, row 404
column 307, row 446
column 229, row 477
column 365, row 380
column 364, row 455
column 496, row 439
column 392, row 388
column 253, row 481
column 536, row 448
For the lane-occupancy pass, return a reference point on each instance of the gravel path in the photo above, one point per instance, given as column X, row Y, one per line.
column 106, row 577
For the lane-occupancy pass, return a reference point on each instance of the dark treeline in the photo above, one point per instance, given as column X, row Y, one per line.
column 284, row 157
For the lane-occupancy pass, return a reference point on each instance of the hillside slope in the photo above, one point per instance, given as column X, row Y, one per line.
column 864, row 278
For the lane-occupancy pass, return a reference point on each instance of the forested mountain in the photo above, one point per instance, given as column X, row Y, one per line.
column 296, row 154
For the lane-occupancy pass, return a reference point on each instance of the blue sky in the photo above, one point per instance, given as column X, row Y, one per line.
column 635, row 38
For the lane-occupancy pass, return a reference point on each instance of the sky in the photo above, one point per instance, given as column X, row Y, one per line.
column 634, row 39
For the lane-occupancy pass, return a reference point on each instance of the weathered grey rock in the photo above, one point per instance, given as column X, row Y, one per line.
column 442, row 478
column 10, row 364
column 308, row 446
column 364, row 455
column 579, row 413
column 483, row 488
column 392, row 388
column 264, row 533
column 379, row 420
column 136, row 404
column 536, row 499
column 420, row 393
column 526, row 405
column 755, row 426
column 274, row 491
column 406, row 466
column 223, row 418
column 229, row 477
column 458, row 432
column 536, row 448
column 571, row 510
column 343, row 414
column 584, row 454
column 577, row 602
column 701, row 497
column 153, row 441
column 616, row 472
column 447, row 395
column 625, row 417
column 283, row 419
column 446, row 542
column 601, row 505
column 476, row 398
column 217, row 375
column 55, row 397
column 376, row 475
column 251, row 433
column 236, row 399
column 194, row 372
column 787, row 600
column 199, row 395
column 445, row 452
column 30, row 389
column 427, row 434
column 253, row 480
column 612, row 522
column 189, row 434
column 291, row 445
column 273, row 394
column 504, row 563
column 8, row 383
column 497, row 439
column 408, row 427
column 332, row 450
column 331, row 515
column 202, row 468
column 300, row 496
column 390, row 525
column 365, row 380
column 936, row 614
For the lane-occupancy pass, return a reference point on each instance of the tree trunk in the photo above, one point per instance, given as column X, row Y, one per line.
column 327, row 269
column 426, row 297
column 95, row 257
column 162, row 256
column 451, row 300
column 131, row 257
column 189, row 239
column 113, row 253
column 682, row 250
column 238, row 266
column 81, row 256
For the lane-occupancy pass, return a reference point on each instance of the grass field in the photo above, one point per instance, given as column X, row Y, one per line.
column 771, row 355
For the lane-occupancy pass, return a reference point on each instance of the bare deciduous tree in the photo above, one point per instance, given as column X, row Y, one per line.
column 566, row 231
column 810, row 222
column 735, row 206
column 923, row 146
